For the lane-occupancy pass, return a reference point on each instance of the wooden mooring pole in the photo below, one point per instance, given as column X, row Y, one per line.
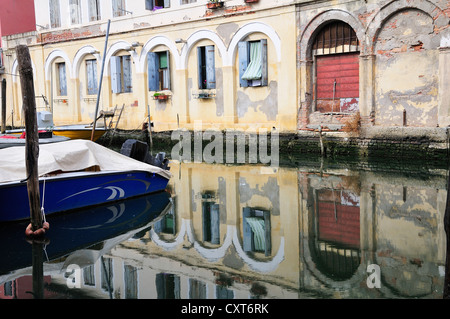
column 32, row 137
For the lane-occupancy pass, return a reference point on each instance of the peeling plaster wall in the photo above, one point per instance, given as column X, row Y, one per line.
column 403, row 60
column 406, row 65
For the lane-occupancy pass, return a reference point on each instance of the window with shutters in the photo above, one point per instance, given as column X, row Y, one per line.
column 211, row 222
column 91, row 74
column 94, row 10
column 118, row 7
column 257, row 230
column 156, row 4
column 158, row 71
column 62, row 81
column 253, row 63
column 336, row 54
column 75, row 11
column 55, row 13
column 121, row 79
column 206, row 67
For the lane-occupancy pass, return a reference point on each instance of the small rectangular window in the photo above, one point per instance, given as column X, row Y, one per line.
column 188, row 1
column 94, row 10
column 91, row 73
column 62, row 81
column 206, row 67
column 253, row 63
column 75, row 11
column 156, row 4
column 118, row 7
column 55, row 13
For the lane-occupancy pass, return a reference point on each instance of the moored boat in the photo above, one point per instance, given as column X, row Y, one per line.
column 80, row 131
column 74, row 174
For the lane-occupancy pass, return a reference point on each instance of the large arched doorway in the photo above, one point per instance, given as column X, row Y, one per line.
column 336, row 55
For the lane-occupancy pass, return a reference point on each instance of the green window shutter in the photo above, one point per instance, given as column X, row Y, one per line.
column 166, row 80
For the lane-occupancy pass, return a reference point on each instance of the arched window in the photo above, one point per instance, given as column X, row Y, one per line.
column 335, row 50
column 335, row 37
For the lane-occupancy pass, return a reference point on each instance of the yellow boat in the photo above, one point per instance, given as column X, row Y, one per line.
column 81, row 131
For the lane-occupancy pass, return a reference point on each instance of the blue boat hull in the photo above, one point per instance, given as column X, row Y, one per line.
column 74, row 192
column 80, row 229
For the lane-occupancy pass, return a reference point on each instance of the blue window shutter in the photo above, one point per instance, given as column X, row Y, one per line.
column 264, row 76
column 91, row 71
column 166, row 3
column 215, row 224
column 127, row 78
column 148, row 4
column 210, row 68
column 243, row 51
column 153, row 71
column 248, row 236
column 116, row 84
column 62, row 79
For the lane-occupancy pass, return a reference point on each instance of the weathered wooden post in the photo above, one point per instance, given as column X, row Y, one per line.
column 32, row 137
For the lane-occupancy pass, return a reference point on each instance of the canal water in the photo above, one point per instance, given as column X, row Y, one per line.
column 312, row 229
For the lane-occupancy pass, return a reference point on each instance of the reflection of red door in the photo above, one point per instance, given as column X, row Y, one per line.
column 337, row 79
column 339, row 218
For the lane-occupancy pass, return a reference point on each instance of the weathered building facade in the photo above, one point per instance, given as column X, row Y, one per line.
column 288, row 65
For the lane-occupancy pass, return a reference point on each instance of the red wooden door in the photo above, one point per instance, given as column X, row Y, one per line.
column 337, row 82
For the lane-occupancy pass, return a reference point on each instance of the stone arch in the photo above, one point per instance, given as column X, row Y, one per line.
column 253, row 27
column 79, row 56
column 116, row 47
column 49, row 61
column 375, row 25
column 202, row 35
column 15, row 71
column 153, row 42
column 314, row 26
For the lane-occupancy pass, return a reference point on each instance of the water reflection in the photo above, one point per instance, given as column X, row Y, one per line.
column 260, row 232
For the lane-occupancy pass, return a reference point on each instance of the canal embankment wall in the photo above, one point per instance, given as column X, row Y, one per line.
column 413, row 144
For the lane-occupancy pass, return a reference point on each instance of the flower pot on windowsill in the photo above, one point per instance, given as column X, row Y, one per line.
column 214, row 5
column 160, row 96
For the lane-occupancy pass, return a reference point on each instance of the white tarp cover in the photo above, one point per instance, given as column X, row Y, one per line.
column 69, row 156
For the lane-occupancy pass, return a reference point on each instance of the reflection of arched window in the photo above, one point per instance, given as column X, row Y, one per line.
column 257, row 230
column 337, row 68
column 335, row 248
column 210, row 219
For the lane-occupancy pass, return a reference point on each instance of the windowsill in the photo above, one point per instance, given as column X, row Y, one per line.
column 61, row 100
